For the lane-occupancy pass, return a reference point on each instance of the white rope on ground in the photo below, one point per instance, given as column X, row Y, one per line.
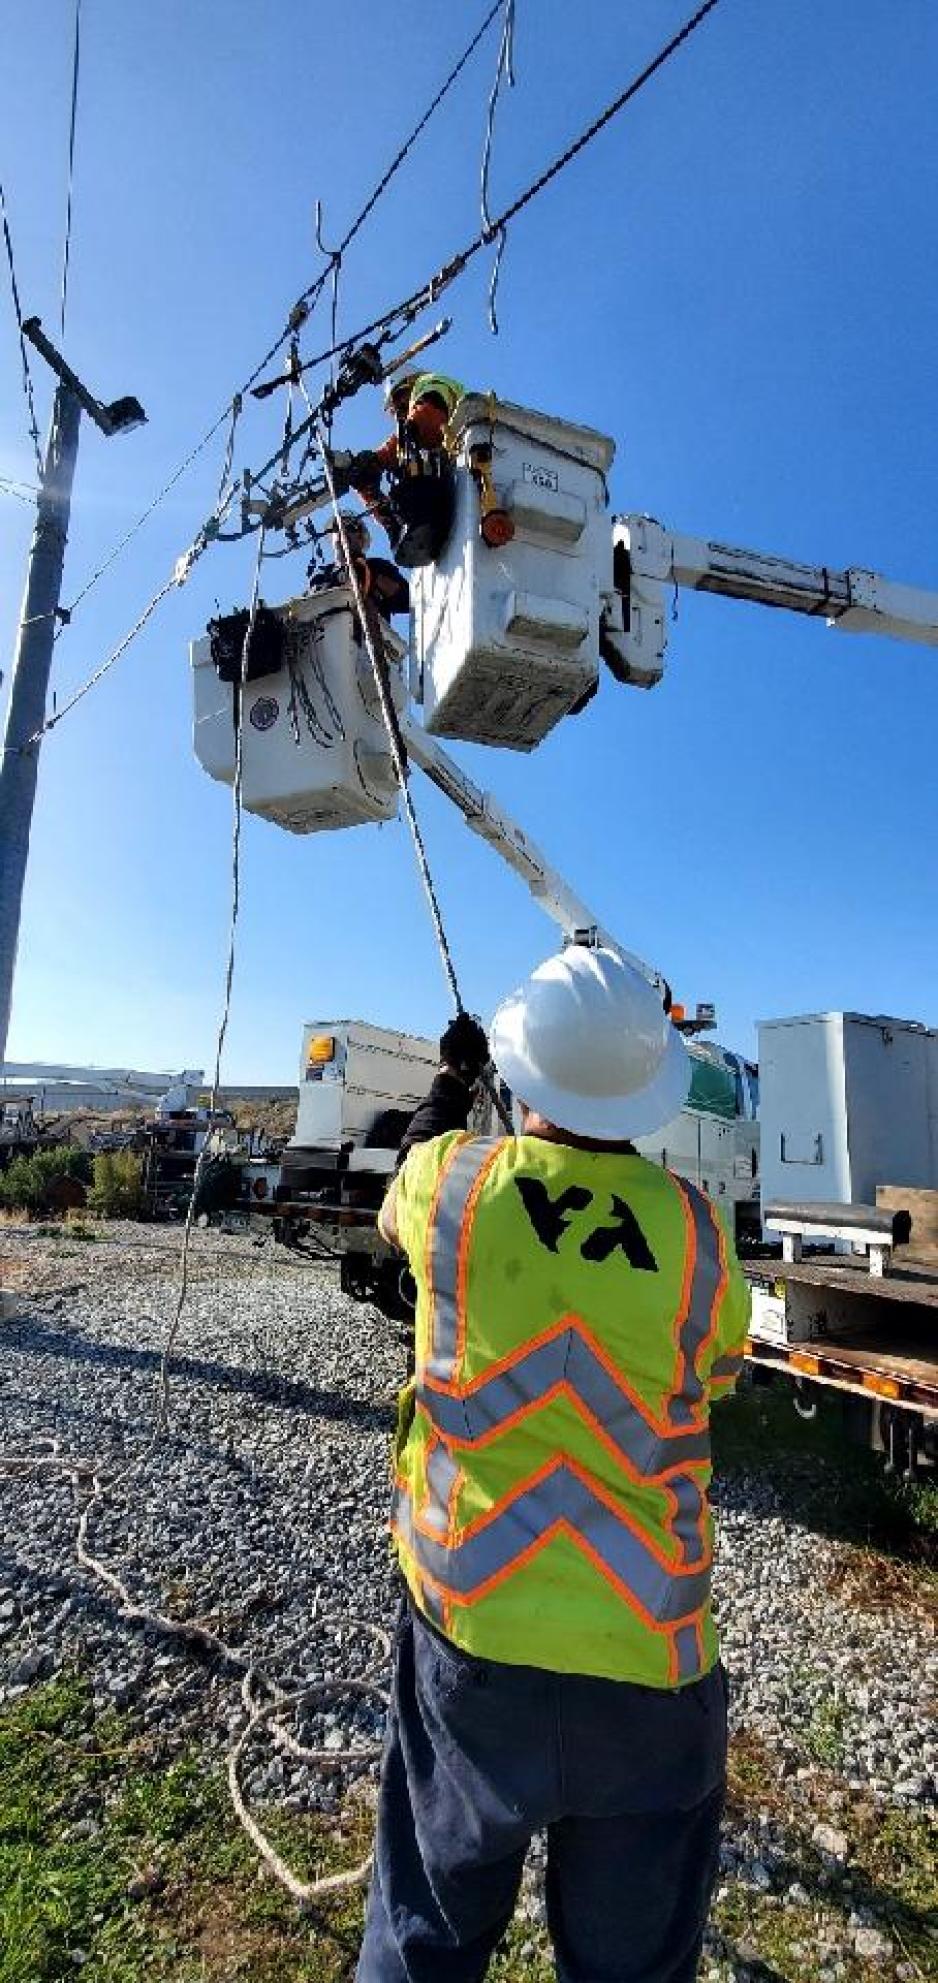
column 269, row 1714
column 281, row 1701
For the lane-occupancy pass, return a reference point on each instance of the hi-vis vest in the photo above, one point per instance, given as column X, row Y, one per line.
column 577, row 1313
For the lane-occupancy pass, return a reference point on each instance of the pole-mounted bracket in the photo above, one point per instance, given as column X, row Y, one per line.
column 118, row 418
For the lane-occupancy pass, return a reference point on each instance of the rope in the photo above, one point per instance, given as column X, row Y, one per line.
column 504, row 70
column 163, row 1412
column 27, row 375
column 71, row 163
column 266, row 1700
column 374, row 643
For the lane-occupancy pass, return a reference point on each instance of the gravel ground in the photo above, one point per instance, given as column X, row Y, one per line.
column 268, row 1502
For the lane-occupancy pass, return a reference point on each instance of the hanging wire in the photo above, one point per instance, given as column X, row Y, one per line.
column 76, row 53
column 374, row 642
column 300, row 313
column 24, row 355
column 403, row 313
column 504, row 72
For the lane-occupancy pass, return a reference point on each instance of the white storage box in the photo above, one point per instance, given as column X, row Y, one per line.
column 506, row 640
column 847, row 1102
column 315, row 748
column 350, row 1073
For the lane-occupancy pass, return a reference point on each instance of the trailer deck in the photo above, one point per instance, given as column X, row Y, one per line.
column 852, row 1329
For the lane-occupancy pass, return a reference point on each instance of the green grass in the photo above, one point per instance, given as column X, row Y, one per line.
column 167, row 1886
column 890, row 1872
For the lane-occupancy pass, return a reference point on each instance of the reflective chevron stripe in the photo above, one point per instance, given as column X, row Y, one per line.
column 567, row 1357
column 563, row 1497
column 726, row 1369
column 666, row 1586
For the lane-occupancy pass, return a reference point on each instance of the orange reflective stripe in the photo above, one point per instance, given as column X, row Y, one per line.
column 660, row 1572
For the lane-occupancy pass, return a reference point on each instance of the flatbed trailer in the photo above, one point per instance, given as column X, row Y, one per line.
column 825, row 1322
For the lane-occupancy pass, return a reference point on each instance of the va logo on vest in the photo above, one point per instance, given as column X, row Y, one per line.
column 550, row 1220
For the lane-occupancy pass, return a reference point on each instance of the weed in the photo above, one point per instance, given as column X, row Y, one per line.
column 825, row 1734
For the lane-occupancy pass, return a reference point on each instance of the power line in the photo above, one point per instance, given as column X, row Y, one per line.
column 420, row 299
column 76, row 53
column 23, row 491
column 27, row 375
column 145, row 515
column 303, row 307
column 504, row 70
column 406, row 310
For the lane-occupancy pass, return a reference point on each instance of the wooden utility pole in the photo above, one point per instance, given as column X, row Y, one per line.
column 26, row 714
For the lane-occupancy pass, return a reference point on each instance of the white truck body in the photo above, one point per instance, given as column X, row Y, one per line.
column 352, row 1073
column 371, row 1069
column 849, row 1102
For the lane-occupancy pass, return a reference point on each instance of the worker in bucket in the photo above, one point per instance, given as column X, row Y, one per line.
column 417, row 507
column 378, row 579
column 556, row 1664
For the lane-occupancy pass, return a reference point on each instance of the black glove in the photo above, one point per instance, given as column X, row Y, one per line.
column 366, row 467
column 465, row 1048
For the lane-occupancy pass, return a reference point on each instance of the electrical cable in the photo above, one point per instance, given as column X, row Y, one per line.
column 300, row 313
column 504, row 70
column 178, row 576
column 430, row 291
column 24, row 355
column 145, row 515
column 420, row 299
column 21, row 491
column 71, row 164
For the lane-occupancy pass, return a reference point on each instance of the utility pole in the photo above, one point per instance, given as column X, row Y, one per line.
column 26, row 714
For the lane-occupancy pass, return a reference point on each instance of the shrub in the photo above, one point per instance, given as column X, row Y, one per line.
column 117, row 1191
column 25, row 1184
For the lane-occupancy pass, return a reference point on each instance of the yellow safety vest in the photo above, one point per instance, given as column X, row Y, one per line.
column 577, row 1312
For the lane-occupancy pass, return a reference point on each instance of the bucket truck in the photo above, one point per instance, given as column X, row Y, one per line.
column 508, row 629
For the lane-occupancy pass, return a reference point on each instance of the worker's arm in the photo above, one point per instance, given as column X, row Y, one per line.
column 445, row 1108
column 732, row 1326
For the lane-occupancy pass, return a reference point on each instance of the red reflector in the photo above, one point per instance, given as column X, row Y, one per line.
column 497, row 529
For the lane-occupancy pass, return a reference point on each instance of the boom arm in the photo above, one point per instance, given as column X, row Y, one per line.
column 855, row 601
column 486, row 818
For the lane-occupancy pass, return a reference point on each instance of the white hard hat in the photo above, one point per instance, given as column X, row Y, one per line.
column 586, row 1042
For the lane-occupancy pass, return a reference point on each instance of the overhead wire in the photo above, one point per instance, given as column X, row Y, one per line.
column 66, row 250
column 402, row 313
column 504, row 72
column 23, row 491
column 301, row 310
column 24, row 355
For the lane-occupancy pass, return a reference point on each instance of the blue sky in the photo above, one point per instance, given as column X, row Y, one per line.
column 737, row 282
